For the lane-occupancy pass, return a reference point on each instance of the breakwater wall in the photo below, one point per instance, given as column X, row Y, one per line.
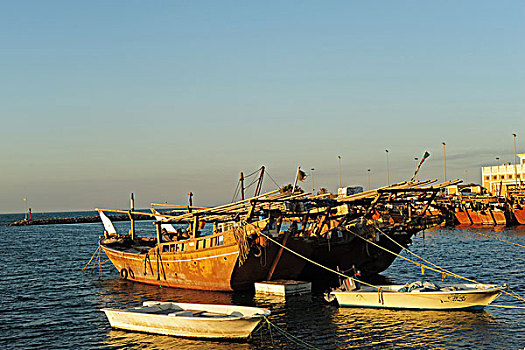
column 77, row 220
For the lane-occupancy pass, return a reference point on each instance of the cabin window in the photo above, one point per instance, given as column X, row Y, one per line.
column 182, row 247
column 165, row 248
column 487, row 177
column 494, row 177
column 203, row 243
column 220, row 240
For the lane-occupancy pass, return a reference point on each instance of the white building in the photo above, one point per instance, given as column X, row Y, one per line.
column 499, row 179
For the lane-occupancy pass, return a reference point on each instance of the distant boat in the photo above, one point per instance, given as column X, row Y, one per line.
column 455, row 296
column 188, row 320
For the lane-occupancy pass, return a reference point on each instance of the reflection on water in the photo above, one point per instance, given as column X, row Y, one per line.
column 121, row 339
column 48, row 303
column 408, row 329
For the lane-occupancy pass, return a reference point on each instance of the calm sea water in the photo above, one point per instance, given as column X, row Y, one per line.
column 47, row 302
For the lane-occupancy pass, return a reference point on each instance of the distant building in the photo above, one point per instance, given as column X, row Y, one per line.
column 464, row 190
column 499, row 179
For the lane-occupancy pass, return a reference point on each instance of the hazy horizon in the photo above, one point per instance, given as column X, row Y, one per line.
column 101, row 99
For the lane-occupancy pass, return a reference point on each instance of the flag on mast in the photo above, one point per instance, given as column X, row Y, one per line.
column 301, row 175
column 425, row 156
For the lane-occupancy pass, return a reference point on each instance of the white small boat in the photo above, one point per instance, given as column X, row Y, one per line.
column 188, row 320
column 455, row 296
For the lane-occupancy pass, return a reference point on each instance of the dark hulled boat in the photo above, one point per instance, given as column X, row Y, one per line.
column 274, row 236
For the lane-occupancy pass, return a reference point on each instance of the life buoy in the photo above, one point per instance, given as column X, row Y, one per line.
column 124, row 274
column 131, row 273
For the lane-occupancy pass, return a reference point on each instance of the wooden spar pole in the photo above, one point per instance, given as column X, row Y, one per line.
column 132, row 208
column 190, row 202
column 295, row 181
column 259, row 182
column 195, row 225
column 190, row 205
column 242, row 186
column 159, row 232
column 177, row 206
column 278, row 256
column 226, row 206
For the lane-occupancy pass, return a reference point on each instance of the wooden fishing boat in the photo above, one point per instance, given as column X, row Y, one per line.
column 248, row 239
column 499, row 216
column 519, row 214
column 474, row 216
column 486, row 217
column 203, row 321
column 455, row 296
column 463, row 217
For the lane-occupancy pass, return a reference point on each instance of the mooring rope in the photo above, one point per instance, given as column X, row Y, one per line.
column 439, row 268
column 244, row 248
column 316, row 263
column 289, row 335
column 502, row 240
column 89, row 262
column 378, row 288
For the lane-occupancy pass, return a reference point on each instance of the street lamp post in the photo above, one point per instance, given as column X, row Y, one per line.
column 339, row 158
column 313, row 184
column 369, row 179
column 515, row 161
column 387, row 170
column 444, row 160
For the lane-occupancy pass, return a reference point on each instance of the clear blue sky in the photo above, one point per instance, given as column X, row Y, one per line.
column 103, row 98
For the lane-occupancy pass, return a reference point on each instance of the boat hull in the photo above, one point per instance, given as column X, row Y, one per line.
column 226, row 327
column 499, row 217
column 519, row 214
column 463, row 217
column 213, row 269
column 471, row 298
column 486, row 217
column 476, row 219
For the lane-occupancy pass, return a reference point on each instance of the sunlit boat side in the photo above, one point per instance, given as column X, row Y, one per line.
column 456, row 296
column 204, row 321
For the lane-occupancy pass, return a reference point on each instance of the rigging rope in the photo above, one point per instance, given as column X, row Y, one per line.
column 271, row 178
column 316, row 263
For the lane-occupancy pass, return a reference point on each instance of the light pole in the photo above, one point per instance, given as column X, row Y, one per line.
column 444, row 161
column 417, row 175
column 369, row 179
column 387, row 173
column 515, row 161
column 339, row 158
column 313, row 184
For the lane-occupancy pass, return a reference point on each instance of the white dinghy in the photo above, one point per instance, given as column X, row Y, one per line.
column 422, row 296
column 188, row 320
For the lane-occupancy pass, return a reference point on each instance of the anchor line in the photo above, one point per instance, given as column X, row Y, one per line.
column 437, row 269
